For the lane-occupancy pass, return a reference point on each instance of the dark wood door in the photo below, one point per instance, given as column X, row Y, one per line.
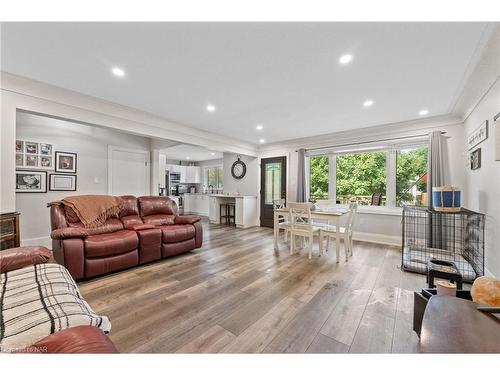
column 272, row 187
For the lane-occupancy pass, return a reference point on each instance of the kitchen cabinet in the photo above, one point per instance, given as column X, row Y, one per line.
column 188, row 174
column 196, row 204
column 193, row 175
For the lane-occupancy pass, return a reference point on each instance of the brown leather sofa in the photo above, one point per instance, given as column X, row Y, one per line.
column 147, row 229
column 79, row 339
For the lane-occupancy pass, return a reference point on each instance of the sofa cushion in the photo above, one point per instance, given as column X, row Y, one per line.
column 40, row 300
column 159, row 219
column 19, row 257
column 129, row 206
column 100, row 266
column 150, row 205
column 110, row 225
column 81, row 339
column 177, row 233
column 106, row 244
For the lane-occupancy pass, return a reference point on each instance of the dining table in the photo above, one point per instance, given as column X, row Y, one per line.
column 328, row 213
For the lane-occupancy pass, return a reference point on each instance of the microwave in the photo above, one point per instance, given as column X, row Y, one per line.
column 175, row 177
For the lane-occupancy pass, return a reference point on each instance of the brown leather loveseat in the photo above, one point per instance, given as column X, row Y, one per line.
column 146, row 229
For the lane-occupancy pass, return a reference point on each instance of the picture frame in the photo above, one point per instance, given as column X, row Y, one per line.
column 31, row 161
column 477, row 136
column 62, row 182
column 65, row 162
column 31, row 147
column 19, row 160
column 34, row 155
column 496, row 121
column 19, row 146
column 45, row 149
column 31, row 181
column 46, row 161
column 475, row 159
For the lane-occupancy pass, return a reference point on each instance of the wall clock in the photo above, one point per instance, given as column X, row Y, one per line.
column 238, row 169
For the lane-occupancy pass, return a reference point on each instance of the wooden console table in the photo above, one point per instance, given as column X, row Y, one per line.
column 454, row 325
column 9, row 230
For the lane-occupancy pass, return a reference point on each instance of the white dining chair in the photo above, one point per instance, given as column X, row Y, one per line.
column 302, row 226
column 345, row 233
column 283, row 219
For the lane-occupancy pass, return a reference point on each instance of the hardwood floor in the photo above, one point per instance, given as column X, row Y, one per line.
column 235, row 295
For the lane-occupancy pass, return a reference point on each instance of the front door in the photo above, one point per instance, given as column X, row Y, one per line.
column 272, row 187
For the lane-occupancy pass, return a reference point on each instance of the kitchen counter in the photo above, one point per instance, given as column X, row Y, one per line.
column 232, row 196
column 245, row 209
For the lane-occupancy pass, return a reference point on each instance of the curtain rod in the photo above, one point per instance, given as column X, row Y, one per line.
column 365, row 142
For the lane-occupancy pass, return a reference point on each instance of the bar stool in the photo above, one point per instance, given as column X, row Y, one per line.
column 223, row 213
column 231, row 213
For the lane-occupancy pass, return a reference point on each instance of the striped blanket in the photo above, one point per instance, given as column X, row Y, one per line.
column 39, row 300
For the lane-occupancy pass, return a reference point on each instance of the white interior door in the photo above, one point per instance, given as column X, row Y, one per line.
column 128, row 171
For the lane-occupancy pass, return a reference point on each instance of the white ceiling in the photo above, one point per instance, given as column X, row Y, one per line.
column 194, row 153
column 285, row 76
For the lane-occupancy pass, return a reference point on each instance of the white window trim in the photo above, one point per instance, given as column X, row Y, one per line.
column 391, row 150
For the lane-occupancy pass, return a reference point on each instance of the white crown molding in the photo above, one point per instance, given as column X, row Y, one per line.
column 399, row 129
column 145, row 121
column 483, row 77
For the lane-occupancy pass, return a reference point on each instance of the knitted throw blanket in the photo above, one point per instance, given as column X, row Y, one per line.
column 93, row 210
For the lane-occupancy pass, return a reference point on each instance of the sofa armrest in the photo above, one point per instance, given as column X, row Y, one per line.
column 65, row 233
column 81, row 339
column 187, row 219
column 19, row 257
column 139, row 227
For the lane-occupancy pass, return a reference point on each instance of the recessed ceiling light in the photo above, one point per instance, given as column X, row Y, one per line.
column 345, row 59
column 188, row 157
column 261, row 140
column 368, row 103
column 119, row 72
column 210, row 108
column 423, row 112
column 212, row 153
column 259, row 127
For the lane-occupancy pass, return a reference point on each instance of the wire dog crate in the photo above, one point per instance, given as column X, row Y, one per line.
column 449, row 236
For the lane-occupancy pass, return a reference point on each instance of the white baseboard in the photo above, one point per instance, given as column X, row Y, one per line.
column 377, row 238
column 39, row 241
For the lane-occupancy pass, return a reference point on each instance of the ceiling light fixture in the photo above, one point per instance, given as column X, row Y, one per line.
column 423, row 112
column 119, row 72
column 188, row 157
column 261, row 140
column 368, row 103
column 345, row 59
column 210, row 108
column 212, row 153
column 259, row 127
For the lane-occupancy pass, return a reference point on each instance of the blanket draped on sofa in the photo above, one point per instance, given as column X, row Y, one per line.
column 93, row 210
column 39, row 300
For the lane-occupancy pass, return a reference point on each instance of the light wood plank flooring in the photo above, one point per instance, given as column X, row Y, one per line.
column 235, row 295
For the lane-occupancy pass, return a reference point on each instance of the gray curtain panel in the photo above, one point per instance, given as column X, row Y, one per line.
column 438, row 224
column 301, row 176
column 435, row 173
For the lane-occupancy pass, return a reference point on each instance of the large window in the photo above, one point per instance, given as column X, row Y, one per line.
column 361, row 178
column 319, row 177
column 393, row 176
column 411, row 176
column 214, row 177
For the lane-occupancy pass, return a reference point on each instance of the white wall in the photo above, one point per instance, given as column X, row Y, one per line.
column 483, row 184
column 91, row 145
column 248, row 185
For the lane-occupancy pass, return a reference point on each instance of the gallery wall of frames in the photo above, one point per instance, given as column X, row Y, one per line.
column 40, row 168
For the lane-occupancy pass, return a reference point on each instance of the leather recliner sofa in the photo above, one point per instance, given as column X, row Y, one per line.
column 146, row 229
